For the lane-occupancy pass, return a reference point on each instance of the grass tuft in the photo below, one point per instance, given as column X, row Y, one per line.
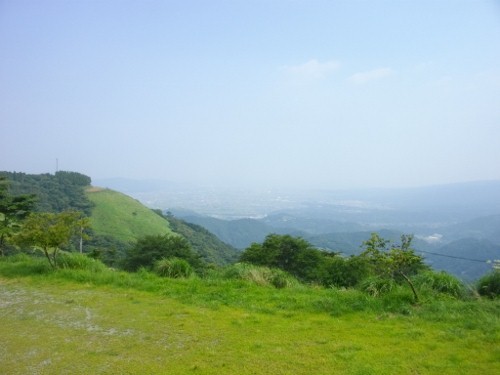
column 259, row 275
column 440, row 282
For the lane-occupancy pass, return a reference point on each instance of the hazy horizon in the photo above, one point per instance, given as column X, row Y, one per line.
column 283, row 93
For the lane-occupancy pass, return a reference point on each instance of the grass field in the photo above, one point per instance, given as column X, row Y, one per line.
column 108, row 322
column 120, row 216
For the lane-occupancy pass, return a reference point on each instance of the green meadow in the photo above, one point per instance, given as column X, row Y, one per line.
column 87, row 319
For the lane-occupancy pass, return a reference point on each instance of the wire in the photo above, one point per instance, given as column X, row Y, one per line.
column 454, row 257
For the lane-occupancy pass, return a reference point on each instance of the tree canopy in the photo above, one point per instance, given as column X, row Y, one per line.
column 292, row 254
column 62, row 191
column 13, row 209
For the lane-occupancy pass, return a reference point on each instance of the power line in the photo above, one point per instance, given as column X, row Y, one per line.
column 455, row 257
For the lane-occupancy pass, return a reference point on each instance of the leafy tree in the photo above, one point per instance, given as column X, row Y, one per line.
column 150, row 249
column 13, row 209
column 49, row 232
column 292, row 254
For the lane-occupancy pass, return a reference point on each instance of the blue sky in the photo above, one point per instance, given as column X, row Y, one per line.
column 274, row 93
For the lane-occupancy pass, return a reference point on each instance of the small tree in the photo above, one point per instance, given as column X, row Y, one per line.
column 396, row 262
column 51, row 231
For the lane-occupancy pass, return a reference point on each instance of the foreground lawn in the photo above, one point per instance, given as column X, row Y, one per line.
column 54, row 326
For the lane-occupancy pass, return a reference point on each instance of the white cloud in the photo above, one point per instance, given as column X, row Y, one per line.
column 375, row 74
column 312, row 69
column 433, row 238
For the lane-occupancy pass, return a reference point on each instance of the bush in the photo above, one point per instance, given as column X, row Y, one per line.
column 440, row 282
column 489, row 285
column 173, row 267
column 345, row 272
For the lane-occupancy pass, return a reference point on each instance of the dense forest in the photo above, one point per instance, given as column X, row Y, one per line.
column 59, row 192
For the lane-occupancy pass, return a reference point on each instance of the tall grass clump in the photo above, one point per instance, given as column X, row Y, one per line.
column 77, row 261
column 489, row 285
column 173, row 267
column 23, row 265
column 259, row 275
column 398, row 300
column 376, row 286
column 440, row 282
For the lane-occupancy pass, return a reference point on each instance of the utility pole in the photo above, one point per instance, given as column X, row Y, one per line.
column 81, row 239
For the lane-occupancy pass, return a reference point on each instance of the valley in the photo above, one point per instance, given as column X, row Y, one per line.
column 448, row 221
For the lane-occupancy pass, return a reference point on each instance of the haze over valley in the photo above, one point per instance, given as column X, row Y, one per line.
column 455, row 220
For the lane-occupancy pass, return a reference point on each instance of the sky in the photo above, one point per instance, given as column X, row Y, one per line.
column 258, row 93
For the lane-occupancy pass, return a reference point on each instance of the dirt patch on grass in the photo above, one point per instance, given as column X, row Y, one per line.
column 94, row 189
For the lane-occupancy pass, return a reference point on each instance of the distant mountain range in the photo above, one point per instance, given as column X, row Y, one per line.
column 456, row 227
column 449, row 222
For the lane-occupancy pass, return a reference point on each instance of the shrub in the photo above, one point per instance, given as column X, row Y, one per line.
column 489, row 285
column 440, row 282
column 345, row 272
column 173, row 267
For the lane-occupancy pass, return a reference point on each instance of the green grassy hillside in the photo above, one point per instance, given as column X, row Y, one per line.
column 122, row 217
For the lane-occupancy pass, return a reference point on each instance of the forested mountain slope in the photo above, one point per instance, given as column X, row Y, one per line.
column 117, row 220
column 205, row 243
